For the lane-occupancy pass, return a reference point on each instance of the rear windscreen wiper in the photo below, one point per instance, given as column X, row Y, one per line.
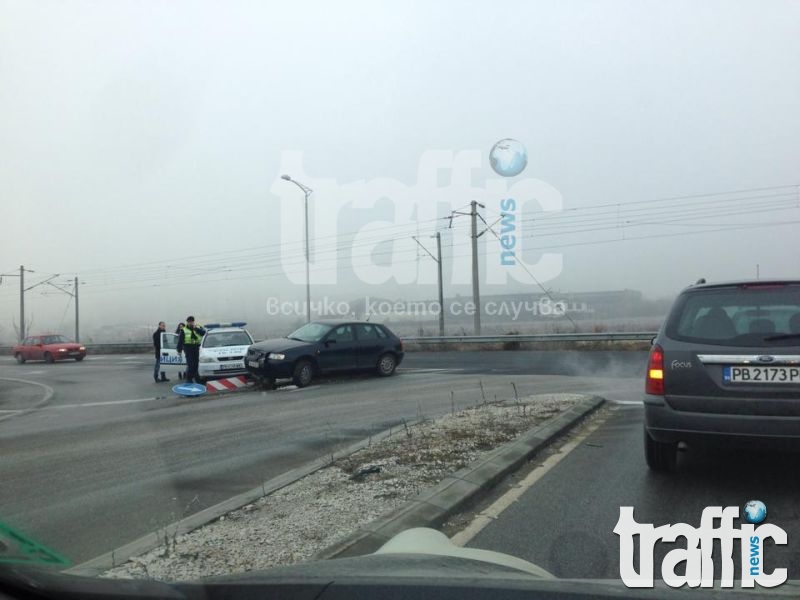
column 785, row 336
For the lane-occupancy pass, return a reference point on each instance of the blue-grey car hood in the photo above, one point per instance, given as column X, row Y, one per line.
column 281, row 345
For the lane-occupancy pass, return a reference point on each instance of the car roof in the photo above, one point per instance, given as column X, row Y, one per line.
column 335, row 322
column 703, row 285
column 225, row 330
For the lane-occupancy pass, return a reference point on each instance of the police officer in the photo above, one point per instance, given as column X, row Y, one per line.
column 190, row 342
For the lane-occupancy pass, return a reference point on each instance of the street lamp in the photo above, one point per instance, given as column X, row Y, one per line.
column 307, row 191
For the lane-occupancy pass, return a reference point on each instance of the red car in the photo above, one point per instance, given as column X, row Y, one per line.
column 48, row 348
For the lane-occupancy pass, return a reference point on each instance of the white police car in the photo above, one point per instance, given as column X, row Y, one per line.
column 223, row 350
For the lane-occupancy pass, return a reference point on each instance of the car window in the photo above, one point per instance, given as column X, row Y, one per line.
column 343, row 333
column 311, row 332
column 169, row 341
column 736, row 317
column 228, row 338
column 367, row 332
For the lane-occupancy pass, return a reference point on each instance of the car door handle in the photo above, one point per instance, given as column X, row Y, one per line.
column 165, row 354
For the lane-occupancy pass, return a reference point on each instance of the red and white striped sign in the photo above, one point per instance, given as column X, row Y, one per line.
column 228, row 384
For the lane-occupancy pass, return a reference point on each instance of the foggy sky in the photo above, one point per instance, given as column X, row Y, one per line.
column 138, row 138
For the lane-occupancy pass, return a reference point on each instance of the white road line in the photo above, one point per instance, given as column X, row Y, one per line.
column 106, row 403
column 489, row 515
column 34, row 372
column 632, row 402
column 421, row 370
column 8, row 410
column 48, row 394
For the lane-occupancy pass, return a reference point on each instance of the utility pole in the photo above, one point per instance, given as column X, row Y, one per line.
column 307, row 191
column 441, row 290
column 21, row 303
column 21, row 275
column 438, row 259
column 77, row 328
column 476, row 296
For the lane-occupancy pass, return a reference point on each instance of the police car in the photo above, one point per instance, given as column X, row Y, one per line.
column 223, row 350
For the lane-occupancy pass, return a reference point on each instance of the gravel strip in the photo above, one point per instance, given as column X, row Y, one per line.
column 295, row 522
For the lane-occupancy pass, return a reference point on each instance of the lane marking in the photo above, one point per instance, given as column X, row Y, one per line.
column 105, row 403
column 482, row 519
column 629, row 402
column 48, row 394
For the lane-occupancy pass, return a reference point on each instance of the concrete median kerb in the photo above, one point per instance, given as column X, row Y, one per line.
column 435, row 505
column 431, row 508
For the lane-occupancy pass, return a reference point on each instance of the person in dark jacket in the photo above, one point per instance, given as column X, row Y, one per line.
column 189, row 342
column 157, row 347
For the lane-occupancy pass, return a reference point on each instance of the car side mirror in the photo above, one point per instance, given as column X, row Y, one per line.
column 653, row 340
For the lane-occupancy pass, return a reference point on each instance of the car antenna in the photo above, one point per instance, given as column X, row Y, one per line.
column 701, row 281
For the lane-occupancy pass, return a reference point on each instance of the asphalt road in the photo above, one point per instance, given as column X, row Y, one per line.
column 564, row 522
column 112, row 456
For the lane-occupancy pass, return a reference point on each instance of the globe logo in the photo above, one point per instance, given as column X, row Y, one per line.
column 755, row 511
column 508, row 157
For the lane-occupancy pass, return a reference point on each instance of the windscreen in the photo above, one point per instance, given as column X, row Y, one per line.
column 227, row 338
column 740, row 317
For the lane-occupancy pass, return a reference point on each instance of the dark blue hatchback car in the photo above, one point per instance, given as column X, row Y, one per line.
column 322, row 347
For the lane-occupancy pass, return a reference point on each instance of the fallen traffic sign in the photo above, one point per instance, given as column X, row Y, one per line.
column 189, row 389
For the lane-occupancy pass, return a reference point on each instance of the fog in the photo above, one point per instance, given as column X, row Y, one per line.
column 142, row 146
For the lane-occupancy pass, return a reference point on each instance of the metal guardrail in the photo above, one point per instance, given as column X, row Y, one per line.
column 616, row 336
column 537, row 337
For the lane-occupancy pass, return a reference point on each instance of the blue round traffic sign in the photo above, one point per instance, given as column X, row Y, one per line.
column 189, row 389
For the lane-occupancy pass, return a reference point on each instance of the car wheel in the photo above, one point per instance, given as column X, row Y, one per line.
column 660, row 456
column 48, row 357
column 79, row 358
column 20, row 358
column 303, row 373
column 387, row 363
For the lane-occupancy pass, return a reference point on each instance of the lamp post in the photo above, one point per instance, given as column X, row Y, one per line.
column 307, row 191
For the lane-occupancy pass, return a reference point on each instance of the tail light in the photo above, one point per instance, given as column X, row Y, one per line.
column 654, row 383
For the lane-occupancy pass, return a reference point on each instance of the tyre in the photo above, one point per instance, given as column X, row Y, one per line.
column 387, row 363
column 48, row 358
column 303, row 373
column 660, row 456
column 20, row 358
column 79, row 358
